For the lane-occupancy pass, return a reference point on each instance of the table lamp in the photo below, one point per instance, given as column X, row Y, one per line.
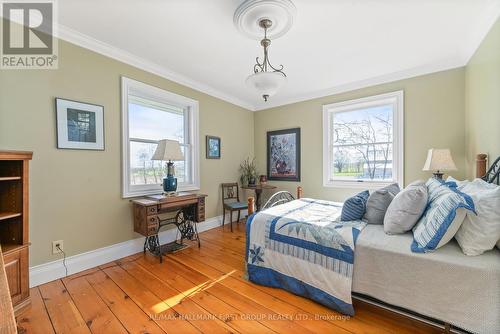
column 438, row 161
column 169, row 150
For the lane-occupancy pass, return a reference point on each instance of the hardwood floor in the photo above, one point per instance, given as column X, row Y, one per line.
column 192, row 291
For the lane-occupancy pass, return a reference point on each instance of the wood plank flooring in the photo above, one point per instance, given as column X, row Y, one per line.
column 192, row 291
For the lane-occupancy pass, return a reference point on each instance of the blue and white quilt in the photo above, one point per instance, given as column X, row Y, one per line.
column 302, row 247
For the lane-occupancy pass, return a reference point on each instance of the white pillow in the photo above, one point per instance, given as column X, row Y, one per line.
column 460, row 184
column 479, row 233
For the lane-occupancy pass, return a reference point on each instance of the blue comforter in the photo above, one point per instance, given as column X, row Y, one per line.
column 302, row 247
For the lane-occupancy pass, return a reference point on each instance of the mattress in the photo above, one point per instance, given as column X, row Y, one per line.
column 446, row 284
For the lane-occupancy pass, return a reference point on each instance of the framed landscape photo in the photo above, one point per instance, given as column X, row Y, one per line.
column 283, row 155
column 79, row 125
column 213, row 147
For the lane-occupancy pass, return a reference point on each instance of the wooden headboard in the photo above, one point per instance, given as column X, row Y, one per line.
column 481, row 165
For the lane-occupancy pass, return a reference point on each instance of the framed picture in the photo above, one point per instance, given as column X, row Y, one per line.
column 283, row 155
column 79, row 125
column 213, row 147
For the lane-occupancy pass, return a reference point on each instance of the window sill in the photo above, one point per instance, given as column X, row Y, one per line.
column 158, row 191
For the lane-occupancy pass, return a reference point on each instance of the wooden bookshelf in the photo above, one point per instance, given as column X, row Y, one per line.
column 14, row 224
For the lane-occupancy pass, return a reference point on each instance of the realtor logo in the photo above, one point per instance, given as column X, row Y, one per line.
column 28, row 35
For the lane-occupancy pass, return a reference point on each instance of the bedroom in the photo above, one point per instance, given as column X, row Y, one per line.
column 87, row 116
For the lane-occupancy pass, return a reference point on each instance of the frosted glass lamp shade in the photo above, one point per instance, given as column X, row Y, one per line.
column 168, row 150
column 266, row 83
column 439, row 160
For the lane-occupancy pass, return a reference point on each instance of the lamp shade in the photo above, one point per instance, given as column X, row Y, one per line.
column 266, row 83
column 439, row 160
column 168, row 150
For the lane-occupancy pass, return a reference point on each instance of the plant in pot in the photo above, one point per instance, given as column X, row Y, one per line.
column 248, row 172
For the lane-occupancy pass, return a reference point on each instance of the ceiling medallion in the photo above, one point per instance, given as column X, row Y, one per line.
column 275, row 17
column 248, row 15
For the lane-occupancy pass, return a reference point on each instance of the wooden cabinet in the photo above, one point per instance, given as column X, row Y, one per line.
column 14, row 223
column 7, row 320
column 15, row 263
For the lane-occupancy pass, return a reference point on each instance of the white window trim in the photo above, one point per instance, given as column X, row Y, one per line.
column 397, row 99
column 155, row 93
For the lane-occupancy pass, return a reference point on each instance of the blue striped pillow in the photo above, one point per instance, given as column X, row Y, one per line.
column 442, row 218
column 354, row 207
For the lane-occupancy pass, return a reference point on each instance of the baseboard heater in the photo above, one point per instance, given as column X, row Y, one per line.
column 448, row 328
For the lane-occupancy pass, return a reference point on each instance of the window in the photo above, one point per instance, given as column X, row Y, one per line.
column 150, row 114
column 363, row 142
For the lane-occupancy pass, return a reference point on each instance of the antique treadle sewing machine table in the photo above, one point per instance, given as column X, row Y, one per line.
column 189, row 210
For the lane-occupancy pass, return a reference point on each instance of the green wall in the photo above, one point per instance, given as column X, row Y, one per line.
column 482, row 100
column 76, row 195
column 433, row 116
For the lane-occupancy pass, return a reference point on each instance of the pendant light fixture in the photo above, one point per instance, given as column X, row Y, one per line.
column 267, row 79
column 272, row 19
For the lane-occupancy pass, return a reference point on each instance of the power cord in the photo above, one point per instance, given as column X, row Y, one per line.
column 64, row 260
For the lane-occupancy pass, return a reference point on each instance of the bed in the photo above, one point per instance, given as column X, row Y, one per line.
column 445, row 285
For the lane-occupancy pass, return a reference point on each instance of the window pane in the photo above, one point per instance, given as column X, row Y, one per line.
column 363, row 144
column 181, row 172
column 363, row 162
column 154, row 122
column 143, row 170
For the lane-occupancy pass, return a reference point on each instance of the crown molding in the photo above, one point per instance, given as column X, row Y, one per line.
column 378, row 80
column 126, row 57
column 463, row 56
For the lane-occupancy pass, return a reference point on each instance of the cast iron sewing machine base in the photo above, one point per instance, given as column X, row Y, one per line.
column 184, row 221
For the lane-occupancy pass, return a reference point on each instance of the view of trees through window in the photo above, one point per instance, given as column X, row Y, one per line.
column 148, row 123
column 363, row 144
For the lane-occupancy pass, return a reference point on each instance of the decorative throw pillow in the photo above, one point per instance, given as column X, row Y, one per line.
column 480, row 232
column 378, row 202
column 444, row 214
column 406, row 208
column 354, row 207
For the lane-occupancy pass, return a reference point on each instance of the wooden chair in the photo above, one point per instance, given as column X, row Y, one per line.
column 231, row 202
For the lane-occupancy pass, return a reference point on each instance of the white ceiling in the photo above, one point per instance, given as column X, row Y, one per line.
column 334, row 45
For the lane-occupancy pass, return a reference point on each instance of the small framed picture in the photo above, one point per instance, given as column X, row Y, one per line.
column 80, row 125
column 213, row 147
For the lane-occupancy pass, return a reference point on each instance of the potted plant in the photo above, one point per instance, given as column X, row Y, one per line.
column 248, row 171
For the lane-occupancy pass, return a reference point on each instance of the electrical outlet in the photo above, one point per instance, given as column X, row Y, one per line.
column 57, row 246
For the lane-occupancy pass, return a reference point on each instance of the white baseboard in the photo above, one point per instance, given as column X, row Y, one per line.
column 50, row 271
